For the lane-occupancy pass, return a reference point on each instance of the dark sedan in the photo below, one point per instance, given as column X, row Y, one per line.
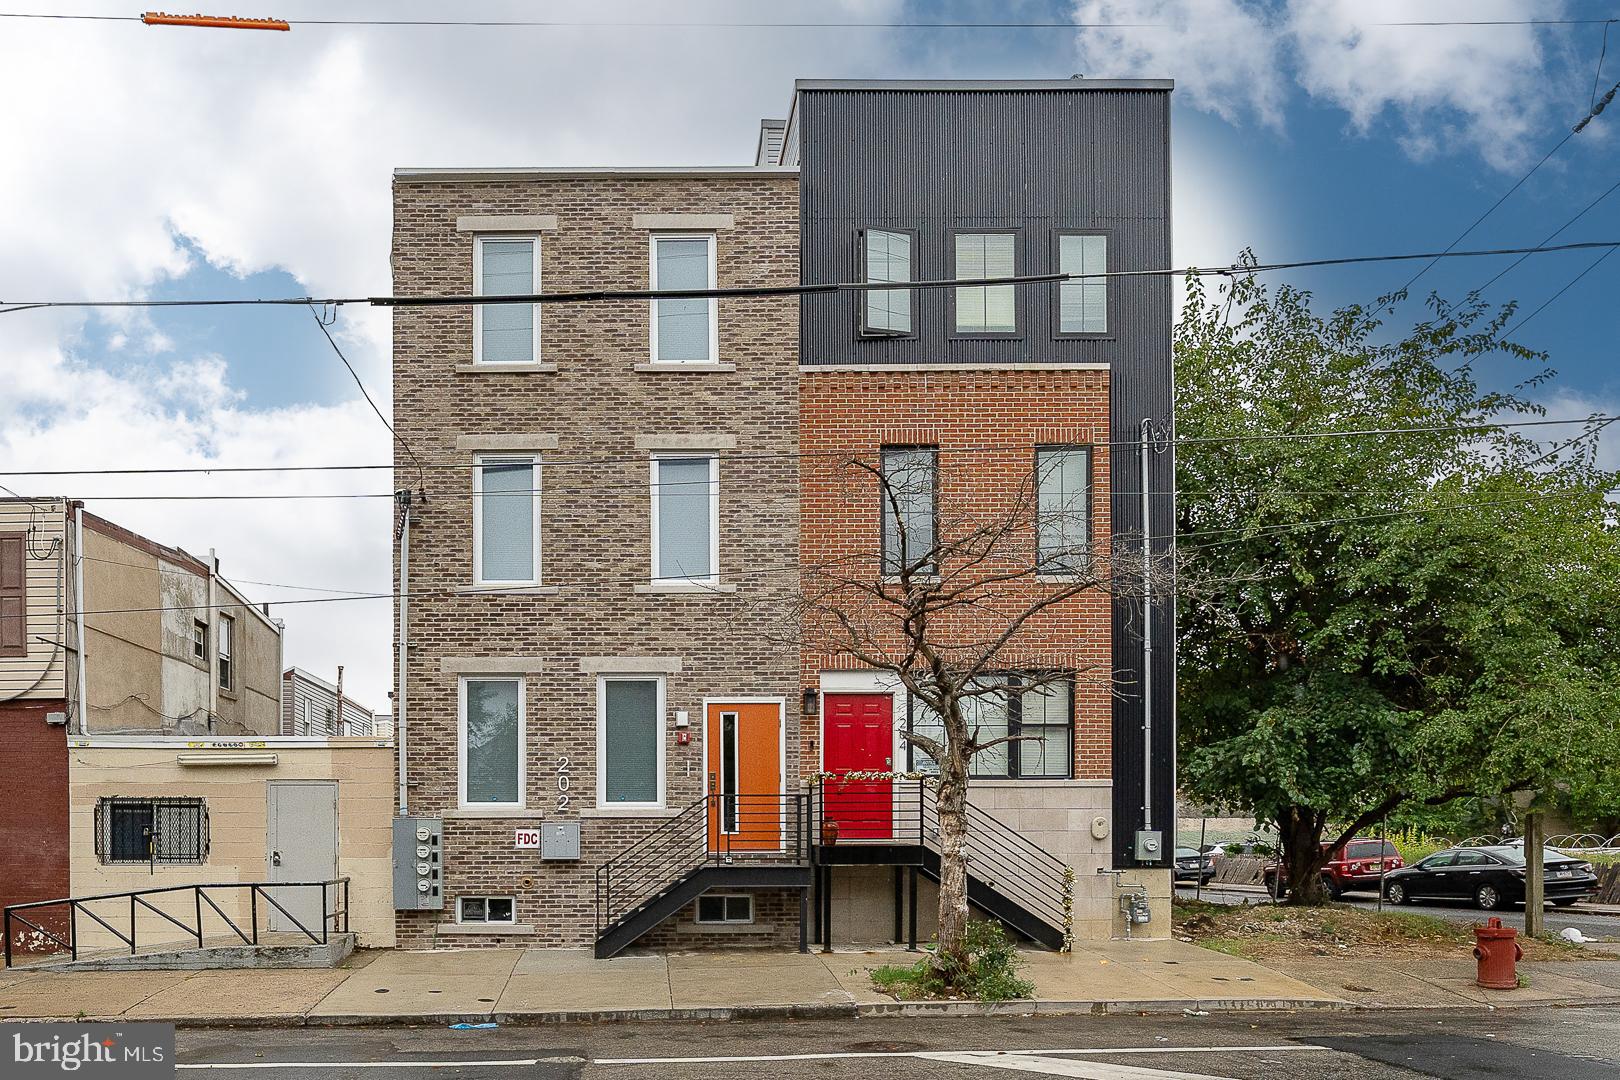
column 1193, row 865
column 1490, row 877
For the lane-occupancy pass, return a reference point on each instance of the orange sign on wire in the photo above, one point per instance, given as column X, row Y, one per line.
column 226, row 22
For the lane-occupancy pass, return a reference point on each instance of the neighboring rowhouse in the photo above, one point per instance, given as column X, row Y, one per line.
column 607, row 731
column 309, row 706
column 149, row 756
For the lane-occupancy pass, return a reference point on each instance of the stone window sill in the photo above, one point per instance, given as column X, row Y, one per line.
column 506, row 813
column 686, row 588
column 496, row 369
column 693, row 368
column 628, row 812
column 486, row 929
column 507, row 590
column 725, row 928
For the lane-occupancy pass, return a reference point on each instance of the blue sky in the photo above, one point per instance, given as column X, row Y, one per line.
column 175, row 164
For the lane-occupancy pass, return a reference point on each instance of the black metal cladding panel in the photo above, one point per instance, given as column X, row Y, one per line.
column 1030, row 161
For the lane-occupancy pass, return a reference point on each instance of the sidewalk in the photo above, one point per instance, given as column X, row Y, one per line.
column 542, row 985
column 516, row 986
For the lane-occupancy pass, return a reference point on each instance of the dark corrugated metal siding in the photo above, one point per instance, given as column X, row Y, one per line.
column 1034, row 161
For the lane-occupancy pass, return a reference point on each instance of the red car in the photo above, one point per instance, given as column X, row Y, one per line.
column 1355, row 867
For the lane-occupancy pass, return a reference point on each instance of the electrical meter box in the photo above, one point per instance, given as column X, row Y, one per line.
column 559, row 840
column 418, row 863
column 1149, row 845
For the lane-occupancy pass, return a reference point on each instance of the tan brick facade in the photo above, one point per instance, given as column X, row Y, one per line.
column 595, row 513
column 986, row 424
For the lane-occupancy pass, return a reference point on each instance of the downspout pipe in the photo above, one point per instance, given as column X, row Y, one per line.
column 1147, row 632
column 401, row 649
column 78, row 616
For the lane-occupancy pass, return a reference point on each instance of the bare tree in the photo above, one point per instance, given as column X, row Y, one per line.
column 946, row 597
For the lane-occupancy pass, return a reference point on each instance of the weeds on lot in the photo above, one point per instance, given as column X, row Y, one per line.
column 991, row 973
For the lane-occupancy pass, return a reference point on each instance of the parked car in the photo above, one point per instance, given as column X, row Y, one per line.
column 1356, row 867
column 1492, row 877
column 1193, row 865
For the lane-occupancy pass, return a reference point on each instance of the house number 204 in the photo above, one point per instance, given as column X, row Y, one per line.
column 563, row 798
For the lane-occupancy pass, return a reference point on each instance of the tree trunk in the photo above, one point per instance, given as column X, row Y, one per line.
column 953, row 905
column 1300, row 831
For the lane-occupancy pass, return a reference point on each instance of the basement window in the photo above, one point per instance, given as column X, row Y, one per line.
column 484, row 909
column 725, row 908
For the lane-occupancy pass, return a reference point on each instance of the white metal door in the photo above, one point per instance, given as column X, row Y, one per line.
column 303, row 847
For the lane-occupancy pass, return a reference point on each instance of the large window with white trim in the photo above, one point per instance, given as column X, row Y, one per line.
column 630, row 743
column 685, row 330
column 685, row 518
column 506, row 519
column 986, row 310
column 227, row 659
column 506, row 266
column 491, row 741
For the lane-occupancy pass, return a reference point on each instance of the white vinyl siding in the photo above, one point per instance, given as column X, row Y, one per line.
column 685, row 519
column 684, row 331
column 886, row 256
column 1083, row 304
column 491, row 742
column 630, row 742
column 506, row 333
column 506, row 520
column 986, row 309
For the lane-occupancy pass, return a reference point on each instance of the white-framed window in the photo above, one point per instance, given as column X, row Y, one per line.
column 305, row 729
column 506, row 519
column 630, row 741
column 227, row 641
column 725, row 908
column 490, row 741
column 506, row 266
column 485, row 909
column 986, row 309
column 684, row 331
column 199, row 639
column 1062, row 508
column 885, row 255
column 685, row 518
column 1083, row 304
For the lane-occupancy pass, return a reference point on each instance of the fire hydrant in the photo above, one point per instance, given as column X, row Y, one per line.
column 1497, row 952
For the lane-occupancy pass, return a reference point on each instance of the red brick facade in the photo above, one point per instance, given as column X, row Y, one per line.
column 34, row 812
column 987, row 424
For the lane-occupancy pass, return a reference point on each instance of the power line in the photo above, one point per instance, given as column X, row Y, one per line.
column 735, row 292
column 327, row 334
column 643, row 457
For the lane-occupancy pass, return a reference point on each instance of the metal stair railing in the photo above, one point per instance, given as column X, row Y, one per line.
column 334, row 919
column 714, row 830
column 901, row 811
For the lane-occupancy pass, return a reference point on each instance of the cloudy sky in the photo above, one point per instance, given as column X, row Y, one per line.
column 147, row 162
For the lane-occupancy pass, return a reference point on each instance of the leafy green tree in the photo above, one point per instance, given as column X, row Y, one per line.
column 1383, row 622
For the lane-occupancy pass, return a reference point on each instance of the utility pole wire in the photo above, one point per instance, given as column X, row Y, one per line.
column 327, row 334
column 735, row 292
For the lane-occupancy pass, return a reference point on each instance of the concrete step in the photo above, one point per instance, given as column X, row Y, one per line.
column 290, row 953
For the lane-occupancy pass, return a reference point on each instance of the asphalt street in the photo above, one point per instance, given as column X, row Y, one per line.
column 1570, row 1044
column 1593, row 925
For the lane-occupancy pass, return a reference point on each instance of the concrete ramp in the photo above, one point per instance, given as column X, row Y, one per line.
column 296, row 951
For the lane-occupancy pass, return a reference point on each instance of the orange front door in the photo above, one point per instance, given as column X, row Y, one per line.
column 742, row 753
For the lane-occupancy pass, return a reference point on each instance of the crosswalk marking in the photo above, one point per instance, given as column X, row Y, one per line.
column 1055, row 1066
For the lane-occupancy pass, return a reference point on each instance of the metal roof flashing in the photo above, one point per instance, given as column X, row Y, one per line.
column 948, row 85
column 543, row 172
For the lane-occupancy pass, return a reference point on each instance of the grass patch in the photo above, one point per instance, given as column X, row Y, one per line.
column 991, row 973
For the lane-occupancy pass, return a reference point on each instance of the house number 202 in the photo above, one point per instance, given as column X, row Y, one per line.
column 563, row 798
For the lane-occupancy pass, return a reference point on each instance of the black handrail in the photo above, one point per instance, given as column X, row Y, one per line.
column 714, row 830
column 76, row 905
column 906, row 811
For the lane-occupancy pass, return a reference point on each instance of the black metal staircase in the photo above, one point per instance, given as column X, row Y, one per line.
column 790, row 841
column 719, row 841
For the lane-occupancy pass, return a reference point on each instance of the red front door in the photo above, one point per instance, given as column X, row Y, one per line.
column 860, row 738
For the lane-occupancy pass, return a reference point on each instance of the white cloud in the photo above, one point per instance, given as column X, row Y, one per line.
column 1480, row 89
